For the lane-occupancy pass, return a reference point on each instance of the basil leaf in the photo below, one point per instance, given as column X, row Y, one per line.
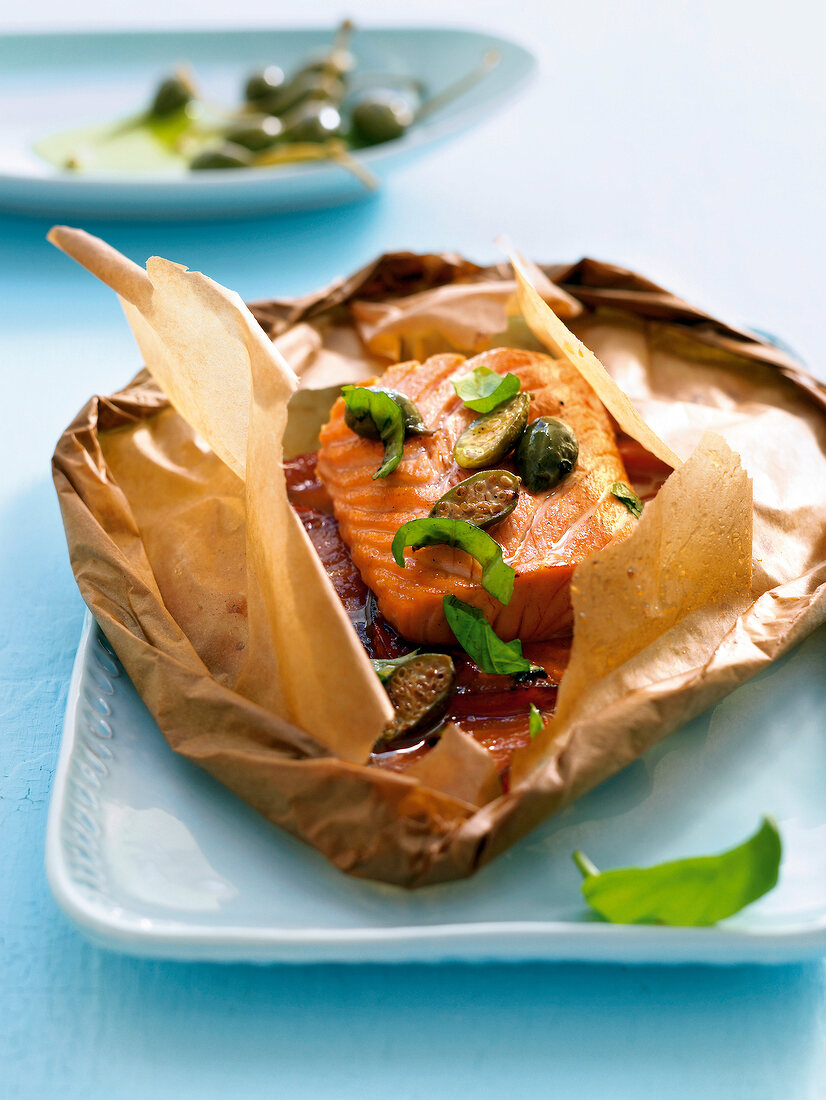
column 689, row 892
column 497, row 576
column 535, row 723
column 477, row 638
column 628, row 497
column 384, row 667
column 483, row 389
column 387, row 418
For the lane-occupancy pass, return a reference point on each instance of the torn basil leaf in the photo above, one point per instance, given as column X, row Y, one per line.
column 386, row 417
column 690, row 892
column 364, row 426
column 497, row 576
column 483, row 389
column 477, row 638
column 535, row 723
column 628, row 497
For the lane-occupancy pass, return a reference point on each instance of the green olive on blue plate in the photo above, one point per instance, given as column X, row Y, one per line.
column 256, row 133
column 313, row 121
column 338, row 63
column 380, row 116
column 263, row 84
column 301, row 89
column 172, row 94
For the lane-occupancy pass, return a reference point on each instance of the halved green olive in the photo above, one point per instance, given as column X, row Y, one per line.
column 172, row 95
column 227, row 155
column 547, row 453
column 420, row 688
column 364, row 426
column 487, row 439
column 257, row 134
column 381, row 116
column 481, row 499
column 263, row 84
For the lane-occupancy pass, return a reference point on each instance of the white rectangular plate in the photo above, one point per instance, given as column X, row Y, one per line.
column 149, row 855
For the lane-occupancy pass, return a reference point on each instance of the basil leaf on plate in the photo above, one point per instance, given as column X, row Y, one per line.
column 387, row 418
column 628, row 497
column 690, row 892
column 477, row 638
column 535, row 723
column 497, row 576
column 483, row 389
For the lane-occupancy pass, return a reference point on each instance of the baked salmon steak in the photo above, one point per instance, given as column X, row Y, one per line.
column 545, row 536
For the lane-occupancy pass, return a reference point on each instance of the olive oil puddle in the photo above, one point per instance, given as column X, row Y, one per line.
column 138, row 144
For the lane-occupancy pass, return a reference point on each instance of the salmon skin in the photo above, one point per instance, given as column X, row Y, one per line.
column 545, row 537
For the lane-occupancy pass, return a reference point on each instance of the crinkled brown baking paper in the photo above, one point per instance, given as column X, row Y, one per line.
column 156, row 530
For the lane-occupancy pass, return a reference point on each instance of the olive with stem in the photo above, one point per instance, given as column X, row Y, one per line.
column 264, row 84
column 386, row 114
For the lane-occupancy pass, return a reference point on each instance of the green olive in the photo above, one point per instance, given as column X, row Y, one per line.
column 364, row 426
column 304, row 88
column 338, row 58
column 420, row 688
column 263, row 84
column 487, row 439
column 338, row 63
column 381, row 116
column 546, row 454
column 481, row 499
column 172, row 95
column 313, row 121
column 256, row 134
column 224, row 156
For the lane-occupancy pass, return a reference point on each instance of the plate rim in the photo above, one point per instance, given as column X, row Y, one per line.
column 547, row 941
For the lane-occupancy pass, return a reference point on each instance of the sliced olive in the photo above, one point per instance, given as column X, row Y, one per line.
column 381, row 116
column 315, row 120
column 546, row 454
column 263, row 84
column 364, row 426
column 257, row 134
column 487, row 439
column 172, row 95
column 420, row 688
column 481, row 499
column 224, row 156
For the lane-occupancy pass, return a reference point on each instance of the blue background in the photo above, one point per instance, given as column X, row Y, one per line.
column 644, row 142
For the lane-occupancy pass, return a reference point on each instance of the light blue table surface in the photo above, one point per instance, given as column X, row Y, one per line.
column 660, row 136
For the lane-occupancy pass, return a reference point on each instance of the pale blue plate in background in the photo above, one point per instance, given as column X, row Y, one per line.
column 149, row 855
column 51, row 82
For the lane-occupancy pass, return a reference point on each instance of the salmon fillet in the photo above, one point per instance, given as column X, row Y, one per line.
column 544, row 538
